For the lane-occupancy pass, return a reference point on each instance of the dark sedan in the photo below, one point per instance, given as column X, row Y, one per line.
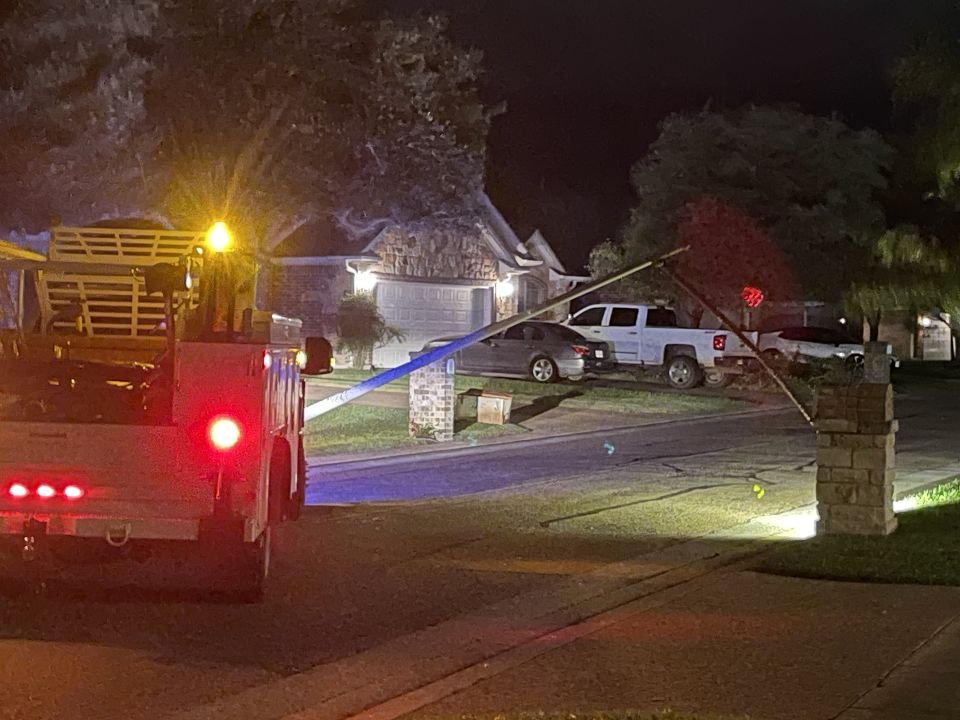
column 542, row 351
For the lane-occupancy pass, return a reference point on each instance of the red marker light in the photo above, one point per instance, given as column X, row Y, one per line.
column 18, row 490
column 224, row 433
column 45, row 491
column 752, row 297
column 72, row 492
column 720, row 342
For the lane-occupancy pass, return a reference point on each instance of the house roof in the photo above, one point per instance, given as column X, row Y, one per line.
column 324, row 238
column 319, row 238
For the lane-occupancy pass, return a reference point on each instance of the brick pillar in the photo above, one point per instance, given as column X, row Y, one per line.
column 855, row 459
column 433, row 400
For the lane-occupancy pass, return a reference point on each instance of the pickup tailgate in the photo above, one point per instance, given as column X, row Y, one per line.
column 124, row 471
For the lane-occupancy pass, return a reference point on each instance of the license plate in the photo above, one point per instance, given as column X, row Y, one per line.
column 598, row 353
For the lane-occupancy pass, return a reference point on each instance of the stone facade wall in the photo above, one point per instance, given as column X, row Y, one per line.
column 856, row 459
column 437, row 254
column 433, row 400
column 310, row 293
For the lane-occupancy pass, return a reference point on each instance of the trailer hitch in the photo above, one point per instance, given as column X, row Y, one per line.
column 34, row 532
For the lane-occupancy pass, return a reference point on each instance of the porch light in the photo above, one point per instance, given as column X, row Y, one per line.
column 364, row 281
column 505, row 288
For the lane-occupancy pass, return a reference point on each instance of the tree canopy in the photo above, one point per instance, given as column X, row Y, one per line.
column 809, row 183
column 265, row 114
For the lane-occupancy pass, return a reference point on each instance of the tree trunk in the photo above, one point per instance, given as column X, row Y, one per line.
column 696, row 315
column 874, row 323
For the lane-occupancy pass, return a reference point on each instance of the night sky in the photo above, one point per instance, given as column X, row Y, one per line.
column 586, row 83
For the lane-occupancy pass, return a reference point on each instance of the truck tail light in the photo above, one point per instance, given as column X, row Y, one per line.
column 224, row 433
column 581, row 350
column 18, row 490
column 720, row 342
column 45, row 491
column 73, row 492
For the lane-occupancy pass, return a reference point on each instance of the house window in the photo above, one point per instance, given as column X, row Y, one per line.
column 532, row 294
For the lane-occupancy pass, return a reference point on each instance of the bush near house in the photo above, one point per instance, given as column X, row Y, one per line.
column 361, row 328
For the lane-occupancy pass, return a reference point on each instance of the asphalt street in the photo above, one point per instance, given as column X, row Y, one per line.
column 460, row 536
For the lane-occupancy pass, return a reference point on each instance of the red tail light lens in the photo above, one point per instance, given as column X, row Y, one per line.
column 224, row 433
column 720, row 342
column 18, row 490
column 581, row 350
column 73, row 492
column 45, row 491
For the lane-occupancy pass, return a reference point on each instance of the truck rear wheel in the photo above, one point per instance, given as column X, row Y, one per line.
column 253, row 568
column 683, row 372
column 716, row 379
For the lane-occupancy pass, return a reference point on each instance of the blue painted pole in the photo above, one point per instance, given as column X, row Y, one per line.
column 324, row 406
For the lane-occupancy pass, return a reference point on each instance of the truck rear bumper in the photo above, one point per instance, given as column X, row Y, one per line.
column 112, row 528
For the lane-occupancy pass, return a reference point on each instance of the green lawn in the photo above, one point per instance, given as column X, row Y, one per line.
column 922, row 551
column 363, row 428
column 573, row 395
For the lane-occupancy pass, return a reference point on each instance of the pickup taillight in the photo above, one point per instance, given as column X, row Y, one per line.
column 720, row 342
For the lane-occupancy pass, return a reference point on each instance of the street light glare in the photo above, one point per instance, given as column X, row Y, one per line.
column 219, row 238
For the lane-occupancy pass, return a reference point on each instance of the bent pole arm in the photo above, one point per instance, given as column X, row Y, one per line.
column 741, row 336
column 428, row 358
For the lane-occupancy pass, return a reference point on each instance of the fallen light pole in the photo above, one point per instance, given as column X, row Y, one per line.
column 428, row 358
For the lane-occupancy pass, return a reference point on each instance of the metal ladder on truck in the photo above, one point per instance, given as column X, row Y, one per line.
column 88, row 285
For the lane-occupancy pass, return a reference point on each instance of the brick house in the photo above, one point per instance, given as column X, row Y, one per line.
column 427, row 284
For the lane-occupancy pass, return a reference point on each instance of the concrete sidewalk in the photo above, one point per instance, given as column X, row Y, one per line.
column 926, row 686
column 748, row 644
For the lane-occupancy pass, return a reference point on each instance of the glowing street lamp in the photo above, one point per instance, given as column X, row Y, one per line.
column 219, row 238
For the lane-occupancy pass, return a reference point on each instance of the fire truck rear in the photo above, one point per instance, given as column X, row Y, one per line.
column 146, row 405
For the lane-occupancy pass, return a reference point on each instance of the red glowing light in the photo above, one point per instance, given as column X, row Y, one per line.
column 752, row 296
column 224, row 433
column 73, row 492
column 45, row 491
column 720, row 342
column 18, row 490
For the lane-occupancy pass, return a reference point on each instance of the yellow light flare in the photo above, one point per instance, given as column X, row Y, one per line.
column 219, row 238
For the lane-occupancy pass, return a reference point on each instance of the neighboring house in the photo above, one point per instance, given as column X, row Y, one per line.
column 923, row 336
column 427, row 284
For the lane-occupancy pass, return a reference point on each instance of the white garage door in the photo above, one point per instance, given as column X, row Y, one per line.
column 424, row 312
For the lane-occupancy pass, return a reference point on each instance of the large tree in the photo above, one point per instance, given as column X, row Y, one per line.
column 73, row 137
column 910, row 271
column 266, row 114
column 811, row 183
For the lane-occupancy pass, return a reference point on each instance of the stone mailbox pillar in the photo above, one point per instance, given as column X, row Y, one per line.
column 433, row 400
column 855, row 459
column 876, row 363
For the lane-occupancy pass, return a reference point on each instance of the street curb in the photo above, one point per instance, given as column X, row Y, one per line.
column 413, row 455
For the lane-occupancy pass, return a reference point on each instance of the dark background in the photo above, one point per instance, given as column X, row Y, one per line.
column 587, row 81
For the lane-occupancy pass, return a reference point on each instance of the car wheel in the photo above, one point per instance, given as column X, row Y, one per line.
column 543, row 370
column 854, row 365
column 683, row 372
column 714, row 379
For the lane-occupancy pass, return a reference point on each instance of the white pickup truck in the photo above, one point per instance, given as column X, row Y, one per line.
column 648, row 335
